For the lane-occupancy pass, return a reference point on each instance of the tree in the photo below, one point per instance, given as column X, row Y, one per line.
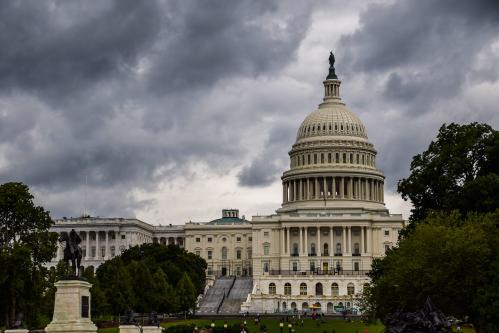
column 452, row 259
column 460, row 170
column 25, row 245
column 186, row 294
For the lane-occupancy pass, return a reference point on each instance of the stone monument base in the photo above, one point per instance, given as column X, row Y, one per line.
column 17, row 330
column 129, row 329
column 151, row 329
column 72, row 308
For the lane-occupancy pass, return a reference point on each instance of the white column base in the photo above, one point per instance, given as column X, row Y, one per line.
column 129, row 329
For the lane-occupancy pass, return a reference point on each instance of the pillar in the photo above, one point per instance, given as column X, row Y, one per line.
column 350, row 188
column 97, row 250
column 349, row 239
column 333, row 190
column 362, row 248
column 324, row 181
column 316, row 188
column 288, row 245
column 344, row 240
column 368, row 240
column 306, row 240
column 87, row 246
column 308, row 188
column 106, row 256
column 300, row 189
column 301, row 241
column 319, row 252
column 283, row 246
column 331, row 244
column 294, row 190
column 342, row 187
column 284, row 192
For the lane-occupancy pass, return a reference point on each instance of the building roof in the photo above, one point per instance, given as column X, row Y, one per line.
column 228, row 220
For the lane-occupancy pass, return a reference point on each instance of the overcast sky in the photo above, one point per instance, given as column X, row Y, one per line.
column 169, row 111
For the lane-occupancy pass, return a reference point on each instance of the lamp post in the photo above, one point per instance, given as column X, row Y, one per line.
column 212, row 324
column 281, row 325
column 289, row 327
column 225, row 327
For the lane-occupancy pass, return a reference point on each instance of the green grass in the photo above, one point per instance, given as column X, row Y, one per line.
column 310, row 326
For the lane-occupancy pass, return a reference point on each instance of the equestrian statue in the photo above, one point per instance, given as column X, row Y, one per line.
column 72, row 251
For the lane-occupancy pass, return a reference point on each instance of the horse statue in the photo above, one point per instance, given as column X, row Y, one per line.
column 72, row 251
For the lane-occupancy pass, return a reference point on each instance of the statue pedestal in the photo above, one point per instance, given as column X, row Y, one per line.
column 17, row 330
column 151, row 329
column 72, row 308
column 129, row 329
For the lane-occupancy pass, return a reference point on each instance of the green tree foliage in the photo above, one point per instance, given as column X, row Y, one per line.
column 186, row 294
column 25, row 245
column 142, row 279
column 452, row 259
column 459, row 170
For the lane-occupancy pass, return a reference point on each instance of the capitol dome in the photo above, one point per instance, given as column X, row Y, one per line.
column 332, row 162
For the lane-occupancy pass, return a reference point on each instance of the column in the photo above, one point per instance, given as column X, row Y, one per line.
column 316, row 188
column 342, row 187
column 382, row 192
column 359, row 195
column 306, row 240
column 107, row 246
column 300, row 197
column 294, row 190
column 324, row 181
column 368, row 240
column 366, row 188
column 283, row 246
column 284, row 192
column 319, row 251
column 350, row 188
column 331, row 244
column 288, row 244
column 87, row 246
column 333, row 190
column 362, row 248
column 349, row 239
column 301, row 241
column 344, row 240
column 97, row 250
column 308, row 188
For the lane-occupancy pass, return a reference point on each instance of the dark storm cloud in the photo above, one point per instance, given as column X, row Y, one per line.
column 266, row 167
column 118, row 92
column 414, row 57
column 209, row 40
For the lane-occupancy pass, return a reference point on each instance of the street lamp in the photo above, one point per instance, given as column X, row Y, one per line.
column 289, row 327
column 281, row 325
column 212, row 324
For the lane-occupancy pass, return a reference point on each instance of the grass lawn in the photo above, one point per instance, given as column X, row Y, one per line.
column 310, row 326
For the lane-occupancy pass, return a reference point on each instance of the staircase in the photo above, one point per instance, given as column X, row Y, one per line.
column 214, row 297
column 236, row 296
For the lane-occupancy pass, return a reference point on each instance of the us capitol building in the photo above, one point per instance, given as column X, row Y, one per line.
column 314, row 252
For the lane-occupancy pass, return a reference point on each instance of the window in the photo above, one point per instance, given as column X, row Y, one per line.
column 272, row 288
column 312, row 249
column 337, row 158
column 356, row 266
column 338, row 248
column 83, row 251
column 287, row 288
column 315, row 158
column 210, row 271
column 356, row 248
column 210, row 254
column 238, row 254
column 250, row 238
column 123, row 236
column 350, row 289
column 249, row 253
column 266, row 249
column 387, row 248
column 326, row 250
column 265, row 266
column 113, row 251
column 295, row 266
column 198, row 240
column 103, row 251
column 224, row 253
column 312, row 266
column 334, row 289
column 329, row 158
column 210, row 239
column 318, row 289
column 387, row 232
column 198, row 253
column 295, row 249
column 303, row 289
column 266, row 234
column 122, row 248
column 238, row 239
column 322, row 158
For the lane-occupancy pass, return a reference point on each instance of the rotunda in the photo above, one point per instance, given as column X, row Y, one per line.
column 333, row 164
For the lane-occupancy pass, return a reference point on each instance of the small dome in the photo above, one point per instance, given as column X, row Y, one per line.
column 331, row 119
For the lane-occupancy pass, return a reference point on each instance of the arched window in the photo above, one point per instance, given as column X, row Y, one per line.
column 330, row 308
column 350, row 289
column 335, row 291
column 272, row 288
column 295, row 249
column 284, row 306
column 293, row 306
column 266, row 248
column 318, row 289
column 304, row 306
column 287, row 288
column 326, row 250
column 303, row 288
column 224, row 253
